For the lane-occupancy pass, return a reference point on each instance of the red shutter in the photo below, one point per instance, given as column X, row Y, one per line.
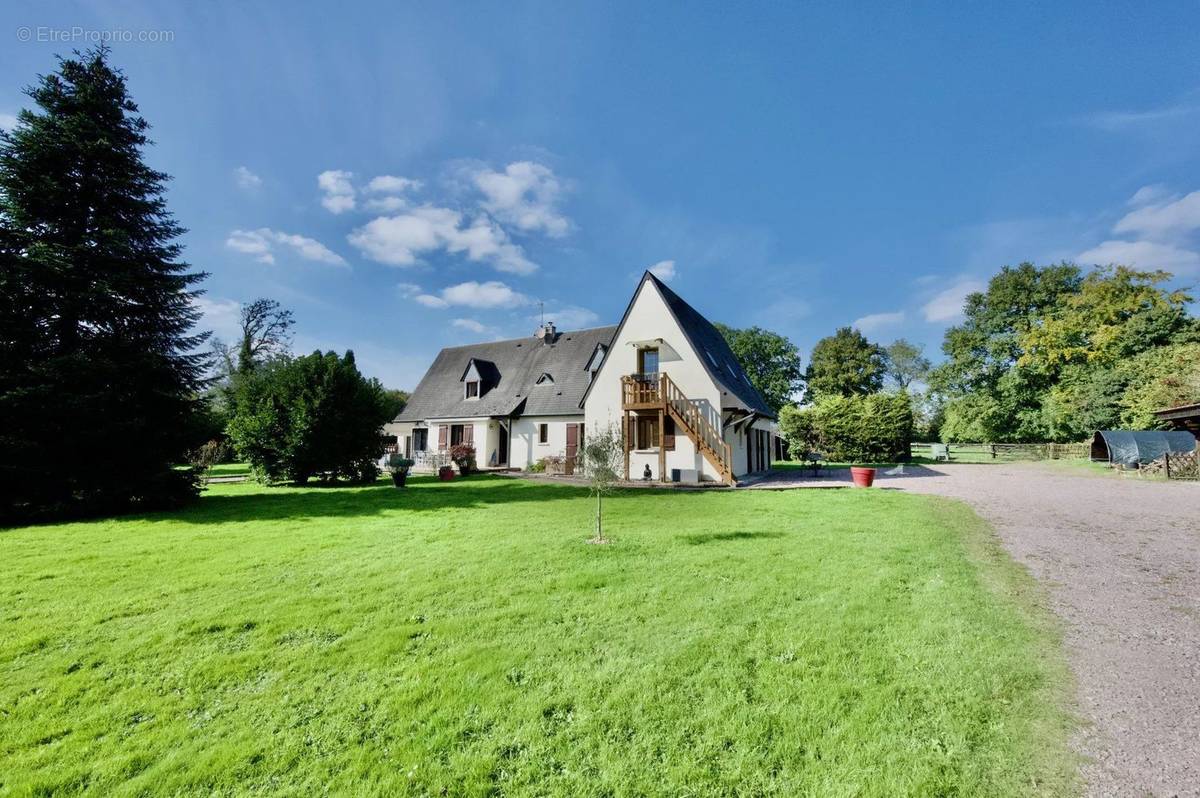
column 443, row 436
column 468, row 434
column 668, row 433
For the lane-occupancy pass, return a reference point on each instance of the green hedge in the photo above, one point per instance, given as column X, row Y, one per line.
column 864, row 429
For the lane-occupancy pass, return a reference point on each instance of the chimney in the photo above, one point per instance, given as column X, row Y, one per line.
column 547, row 333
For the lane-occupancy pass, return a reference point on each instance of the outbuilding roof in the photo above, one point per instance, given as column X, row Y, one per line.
column 1130, row 447
column 510, row 371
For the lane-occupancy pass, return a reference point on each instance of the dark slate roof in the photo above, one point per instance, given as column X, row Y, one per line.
column 711, row 346
column 513, row 368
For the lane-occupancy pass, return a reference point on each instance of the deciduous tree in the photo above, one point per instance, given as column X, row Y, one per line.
column 771, row 361
column 845, row 364
column 906, row 363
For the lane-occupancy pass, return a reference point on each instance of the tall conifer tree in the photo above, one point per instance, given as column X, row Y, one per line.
column 100, row 364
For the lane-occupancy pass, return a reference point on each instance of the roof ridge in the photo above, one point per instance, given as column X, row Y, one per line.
column 528, row 338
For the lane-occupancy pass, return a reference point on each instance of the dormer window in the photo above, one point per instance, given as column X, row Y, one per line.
column 475, row 375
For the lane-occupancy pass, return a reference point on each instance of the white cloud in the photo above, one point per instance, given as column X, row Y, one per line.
column 408, row 290
column 569, row 317
column 491, row 294
column 663, row 270
column 390, row 184
column 470, row 324
column 878, row 321
column 525, row 194
column 1148, row 194
column 1142, row 255
column 947, row 305
column 387, row 204
column 473, row 294
column 264, row 242
column 1115, row 121
column 252, row 242
column 338, row 190
column 222, row 316
column 246, row 179
column 1163, row 219
column 399, row 240
column 8, row 121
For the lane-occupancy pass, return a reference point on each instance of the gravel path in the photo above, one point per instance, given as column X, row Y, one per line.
column 1121, row 559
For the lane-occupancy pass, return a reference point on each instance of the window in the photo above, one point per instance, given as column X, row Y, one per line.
column 647, row 432
column 647, row 361
column 456, row 434
column 420, row 440
column 473, row 389
column 543, row 433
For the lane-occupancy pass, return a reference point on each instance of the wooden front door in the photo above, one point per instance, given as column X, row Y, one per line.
column 502, row 446
column 572, row 447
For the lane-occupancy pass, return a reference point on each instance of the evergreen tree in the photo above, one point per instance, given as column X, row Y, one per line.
column 99, row 363
column 314, row 416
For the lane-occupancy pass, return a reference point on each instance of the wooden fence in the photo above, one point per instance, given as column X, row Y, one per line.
column 986, row 452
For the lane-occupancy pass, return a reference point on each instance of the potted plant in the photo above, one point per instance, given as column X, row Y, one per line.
column 863, row 476
column 463, row 455
column 445, row 473
column 399, row 467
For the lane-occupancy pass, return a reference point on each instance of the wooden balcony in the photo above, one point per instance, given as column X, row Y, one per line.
column 642, row 391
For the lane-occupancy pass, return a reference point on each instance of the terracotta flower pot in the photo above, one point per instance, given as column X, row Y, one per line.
column 863, row 477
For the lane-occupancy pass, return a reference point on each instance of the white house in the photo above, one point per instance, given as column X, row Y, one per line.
column 664, row 375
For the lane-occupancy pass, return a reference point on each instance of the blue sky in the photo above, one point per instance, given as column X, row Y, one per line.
column 411, row 176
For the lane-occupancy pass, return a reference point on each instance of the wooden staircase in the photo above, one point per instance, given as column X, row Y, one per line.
column 659, row 392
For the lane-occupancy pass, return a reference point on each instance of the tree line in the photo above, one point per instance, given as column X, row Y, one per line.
column 1043, row 354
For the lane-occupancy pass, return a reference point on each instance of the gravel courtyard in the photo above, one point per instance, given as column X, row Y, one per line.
column 1121, row 560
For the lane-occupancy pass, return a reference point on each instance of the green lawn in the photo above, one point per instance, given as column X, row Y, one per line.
column 461, row 639
column 230, row 470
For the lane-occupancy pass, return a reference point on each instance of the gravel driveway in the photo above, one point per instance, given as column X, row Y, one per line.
column 1121, row 559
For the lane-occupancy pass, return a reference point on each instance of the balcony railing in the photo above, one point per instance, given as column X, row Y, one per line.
column 641, row 390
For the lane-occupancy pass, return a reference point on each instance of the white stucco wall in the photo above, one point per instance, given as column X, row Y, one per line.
column 650, row 318
column 524, row 448
column 737, row 443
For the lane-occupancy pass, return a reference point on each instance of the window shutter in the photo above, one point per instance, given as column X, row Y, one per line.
column 668, row 433
column 468, row 434
column 443, row 436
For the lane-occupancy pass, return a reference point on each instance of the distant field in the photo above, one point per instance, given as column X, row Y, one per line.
column 461, row 639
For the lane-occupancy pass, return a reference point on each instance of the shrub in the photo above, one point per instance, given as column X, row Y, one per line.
column 208, row 455
column 398, row 464
column 463, row 455
column 797, row 427
column 311, row 416
column 538, row 467
column 873, row 428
